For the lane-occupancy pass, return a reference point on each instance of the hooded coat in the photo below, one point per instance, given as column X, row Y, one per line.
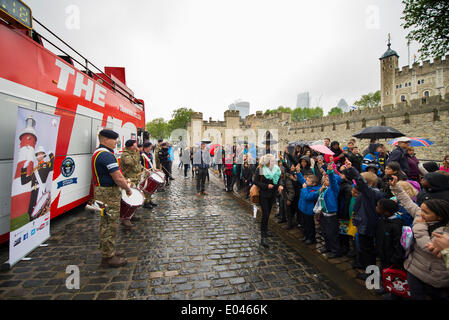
column 439, row 188
column 307, row 170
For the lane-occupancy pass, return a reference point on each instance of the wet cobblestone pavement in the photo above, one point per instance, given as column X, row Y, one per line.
column 188, row 247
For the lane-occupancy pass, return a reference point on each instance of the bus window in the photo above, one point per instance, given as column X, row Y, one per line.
column 80, row 141
column 8, row 121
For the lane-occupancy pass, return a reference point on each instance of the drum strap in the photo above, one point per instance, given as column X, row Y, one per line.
column 146, row 159
column 94, row 168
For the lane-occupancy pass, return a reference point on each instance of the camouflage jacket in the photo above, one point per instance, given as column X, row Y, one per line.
column 130, row 164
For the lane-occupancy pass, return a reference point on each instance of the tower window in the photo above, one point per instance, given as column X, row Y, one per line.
column 400, row 86
column 405, row 85
column 422, row 81
column 409, row 84
column 419, row 81
column 388, row 92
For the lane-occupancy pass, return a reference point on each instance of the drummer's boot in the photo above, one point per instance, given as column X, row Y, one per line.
column 134, row 218
column 148, row 205
column 113, row 262
column 127, row 224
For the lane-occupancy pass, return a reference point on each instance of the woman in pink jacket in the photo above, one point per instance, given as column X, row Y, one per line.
column 445, row 164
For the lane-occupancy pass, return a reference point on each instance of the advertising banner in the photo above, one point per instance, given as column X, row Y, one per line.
column 32, row 178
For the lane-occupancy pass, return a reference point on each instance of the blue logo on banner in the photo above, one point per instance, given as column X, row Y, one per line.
column 67, row 167
column 67, row 182
column 33, row 231
column 25, row 236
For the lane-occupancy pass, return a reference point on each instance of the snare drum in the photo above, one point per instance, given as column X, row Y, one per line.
column 129, row 205
column 153, row 182
column 42, row 206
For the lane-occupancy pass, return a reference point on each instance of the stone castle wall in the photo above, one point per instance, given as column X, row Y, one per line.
column 427, row 118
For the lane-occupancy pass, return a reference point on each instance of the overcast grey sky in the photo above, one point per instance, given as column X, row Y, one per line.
column 204, row 54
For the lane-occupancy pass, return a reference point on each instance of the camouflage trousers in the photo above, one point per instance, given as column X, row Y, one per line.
column 109, row 221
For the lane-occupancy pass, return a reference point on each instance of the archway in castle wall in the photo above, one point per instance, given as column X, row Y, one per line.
column 214, row 135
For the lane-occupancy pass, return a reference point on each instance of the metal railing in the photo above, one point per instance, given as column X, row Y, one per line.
column 112, row 84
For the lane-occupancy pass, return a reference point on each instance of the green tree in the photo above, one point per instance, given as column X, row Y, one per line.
column 369, row 100
column 335, row 111
column 180, row 119
column 158, row 128
column 428, row 22
column 300, row 114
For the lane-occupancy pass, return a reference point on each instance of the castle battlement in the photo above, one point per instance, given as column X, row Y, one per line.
column 426, row 66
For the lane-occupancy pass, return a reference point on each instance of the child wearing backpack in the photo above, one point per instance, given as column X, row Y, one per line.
column 309, row 195
column 388, row 234
column 426, row 274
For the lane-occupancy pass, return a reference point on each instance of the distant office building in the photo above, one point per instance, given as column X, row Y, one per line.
column 303, row 100
column 343, row 105
column 242, row 106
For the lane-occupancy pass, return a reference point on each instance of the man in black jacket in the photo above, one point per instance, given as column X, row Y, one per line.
column 163, row 156
column 399, row 154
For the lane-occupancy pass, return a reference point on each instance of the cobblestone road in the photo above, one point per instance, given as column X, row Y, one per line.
column 186, row 248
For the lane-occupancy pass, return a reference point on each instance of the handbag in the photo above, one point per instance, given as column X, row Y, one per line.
column 395, row 282
column 254, row 194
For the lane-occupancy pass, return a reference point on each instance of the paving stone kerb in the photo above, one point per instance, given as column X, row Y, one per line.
column 188, row 247
column 339, row 269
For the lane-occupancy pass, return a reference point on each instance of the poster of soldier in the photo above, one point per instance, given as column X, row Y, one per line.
column 32, row 179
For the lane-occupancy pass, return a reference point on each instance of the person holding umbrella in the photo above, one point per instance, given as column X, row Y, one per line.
column 399, row 154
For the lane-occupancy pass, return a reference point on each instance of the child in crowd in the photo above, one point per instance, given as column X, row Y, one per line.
column 434, row 186
column 365, row 217
column 344, row 210
column 388, row 234
column 426, row 274
column 328, row 198
column 392, row 168
column 246, row 179
column 309, row 194
column 228, row 165
column 286, row 199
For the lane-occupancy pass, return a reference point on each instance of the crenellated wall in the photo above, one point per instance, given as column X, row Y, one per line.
column 426, row 118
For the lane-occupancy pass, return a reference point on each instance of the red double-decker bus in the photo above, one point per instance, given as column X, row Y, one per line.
column 85, row 98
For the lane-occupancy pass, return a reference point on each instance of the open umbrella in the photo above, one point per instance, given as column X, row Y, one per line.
column 378, row 132
column 414, row 142
column 322, row 149
column 299, row 143
column 317, row 142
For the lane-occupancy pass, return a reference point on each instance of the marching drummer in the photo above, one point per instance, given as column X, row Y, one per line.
column 146, row 160
column 107, row 181
column 132, row 170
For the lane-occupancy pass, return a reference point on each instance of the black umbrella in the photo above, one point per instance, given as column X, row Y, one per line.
column 299, row 143
column 378, row 132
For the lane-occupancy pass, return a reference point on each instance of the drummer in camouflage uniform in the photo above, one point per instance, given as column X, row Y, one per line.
column 132, row 170
column 146, row 160
column 108, row 180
